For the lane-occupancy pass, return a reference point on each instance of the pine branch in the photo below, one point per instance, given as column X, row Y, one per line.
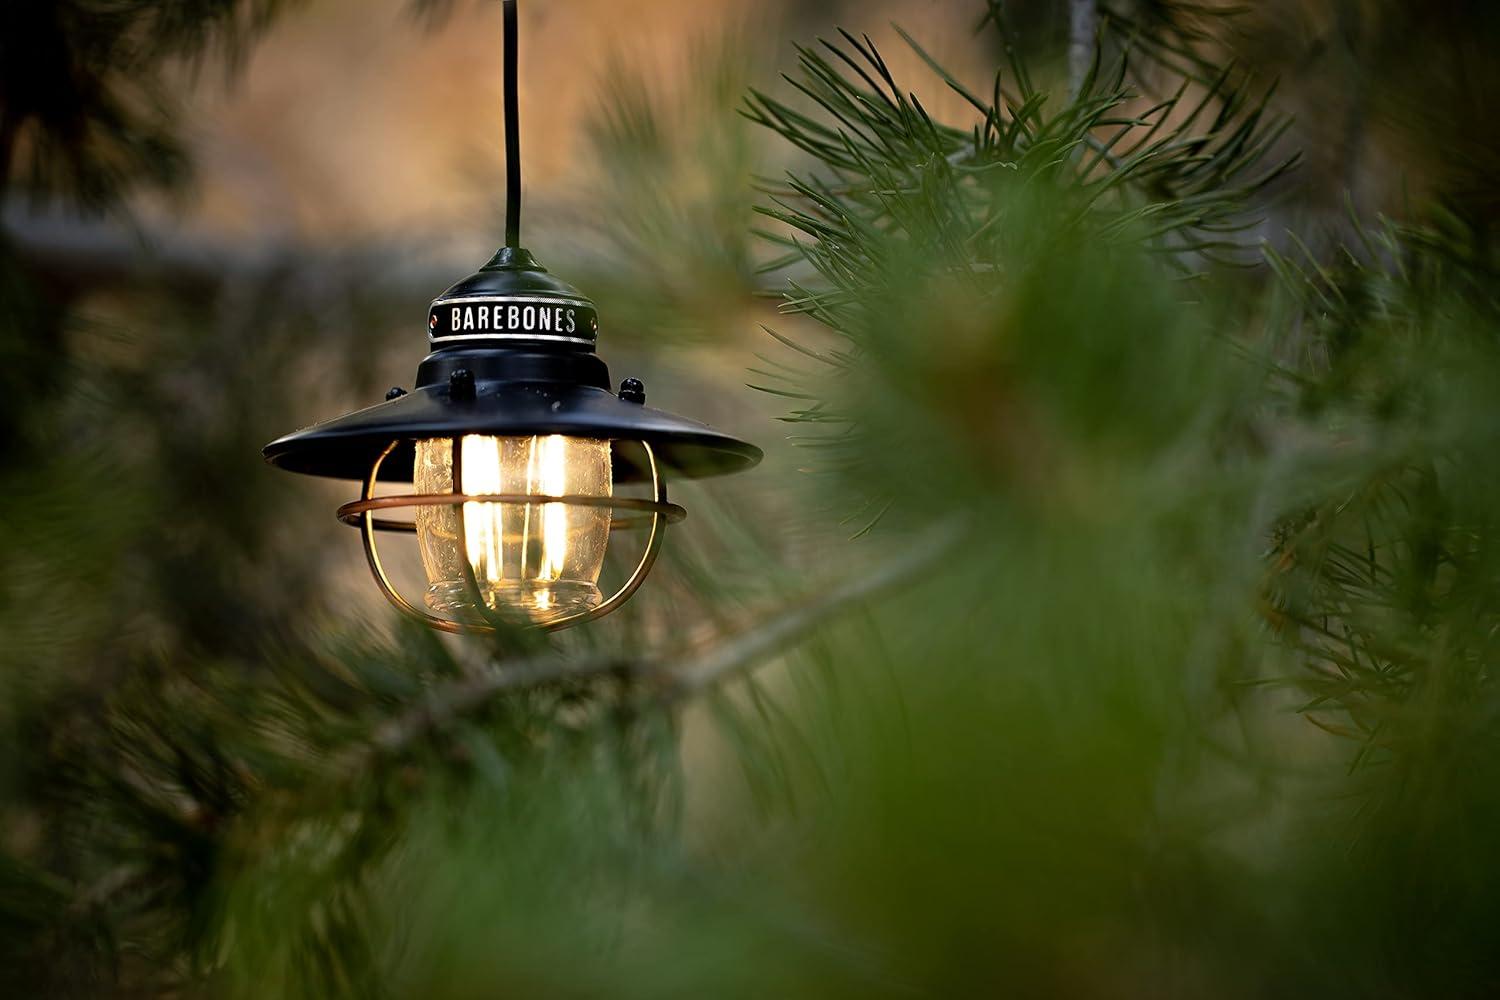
column 897, row 200
column 676, row 678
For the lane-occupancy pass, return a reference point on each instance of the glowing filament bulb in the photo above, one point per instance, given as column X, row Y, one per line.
column 546, row 474
column 484, row 527
column 538, row 557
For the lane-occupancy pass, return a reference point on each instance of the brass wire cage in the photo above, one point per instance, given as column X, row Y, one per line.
column 658, row 513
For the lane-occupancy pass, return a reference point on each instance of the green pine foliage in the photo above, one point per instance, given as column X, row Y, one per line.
column 86, row 111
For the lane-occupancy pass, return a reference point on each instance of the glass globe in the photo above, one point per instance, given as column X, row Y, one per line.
column 542, row 559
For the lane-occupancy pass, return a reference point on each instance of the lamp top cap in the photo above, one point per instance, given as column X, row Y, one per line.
column 512, row 301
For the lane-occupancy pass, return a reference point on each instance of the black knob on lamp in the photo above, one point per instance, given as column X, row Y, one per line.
column 633, row 390
column 461, row 385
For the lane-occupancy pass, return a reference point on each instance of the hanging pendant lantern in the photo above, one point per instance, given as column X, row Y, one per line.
column 514, row 444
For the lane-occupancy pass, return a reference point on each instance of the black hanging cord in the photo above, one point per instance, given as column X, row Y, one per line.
column 512, row 134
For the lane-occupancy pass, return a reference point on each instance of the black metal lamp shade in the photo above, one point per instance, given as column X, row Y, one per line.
column 512, row 358
column 506, row 406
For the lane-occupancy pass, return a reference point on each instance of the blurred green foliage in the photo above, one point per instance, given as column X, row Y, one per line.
column 1161, row 663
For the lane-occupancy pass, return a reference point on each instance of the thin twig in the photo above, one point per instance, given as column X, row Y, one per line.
column 445, row 703
column 88, row 254
column 1082, row 29
column 690, row 676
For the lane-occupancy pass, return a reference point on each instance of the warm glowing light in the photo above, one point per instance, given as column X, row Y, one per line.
column 540, row 558
column 547, row 467
column 483, row 527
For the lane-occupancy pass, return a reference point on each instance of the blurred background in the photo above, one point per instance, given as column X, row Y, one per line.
column 1114, row 614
